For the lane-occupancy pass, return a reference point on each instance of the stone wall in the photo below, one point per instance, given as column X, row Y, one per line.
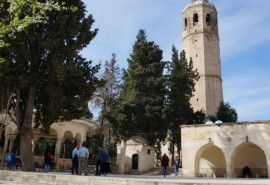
column 227, row 147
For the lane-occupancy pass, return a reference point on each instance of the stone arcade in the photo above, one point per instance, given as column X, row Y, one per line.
column 223, row 150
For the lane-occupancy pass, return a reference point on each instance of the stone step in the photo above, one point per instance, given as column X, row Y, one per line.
column 55, row 178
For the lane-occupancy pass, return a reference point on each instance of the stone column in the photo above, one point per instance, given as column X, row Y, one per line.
column 229, row 166
column 12, row 139
column 57, row 151
column 4, row 151
column 34, row 142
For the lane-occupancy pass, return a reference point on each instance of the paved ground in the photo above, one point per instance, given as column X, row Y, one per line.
column 168, row 179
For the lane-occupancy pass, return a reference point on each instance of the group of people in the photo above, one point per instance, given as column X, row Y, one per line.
column 79, row 159
column 80, row 156
column 165, row 163
column 103, row 162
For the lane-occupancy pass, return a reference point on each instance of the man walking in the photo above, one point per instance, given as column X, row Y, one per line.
column 164, row 164
column 83, row 156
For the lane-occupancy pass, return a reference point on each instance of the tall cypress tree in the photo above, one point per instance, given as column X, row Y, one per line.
column 181, row 81
column 140, row 107
column 47, row 74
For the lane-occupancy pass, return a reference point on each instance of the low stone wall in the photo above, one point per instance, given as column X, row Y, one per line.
column 35, row 178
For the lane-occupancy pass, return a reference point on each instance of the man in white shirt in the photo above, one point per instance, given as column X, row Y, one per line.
column 83, row 156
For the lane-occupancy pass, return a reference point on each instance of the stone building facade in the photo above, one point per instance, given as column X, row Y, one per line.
column 223, row 150
column 134, row 156
column 73, row 131
column 201, row 43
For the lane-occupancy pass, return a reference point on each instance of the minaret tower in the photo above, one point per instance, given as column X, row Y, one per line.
column 201, row 43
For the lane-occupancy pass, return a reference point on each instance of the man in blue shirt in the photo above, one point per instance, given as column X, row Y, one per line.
column 75, row 160
column 83, row 156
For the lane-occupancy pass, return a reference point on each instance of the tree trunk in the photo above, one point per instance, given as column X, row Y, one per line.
column 26, row 133
column 27, row 156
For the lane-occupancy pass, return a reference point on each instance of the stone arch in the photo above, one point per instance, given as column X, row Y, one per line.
column 11, row 133
column 78, row 139
column 210, row 161
column 251, row 155
column 67, row 145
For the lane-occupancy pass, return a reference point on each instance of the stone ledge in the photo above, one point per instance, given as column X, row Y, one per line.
column 54, row 178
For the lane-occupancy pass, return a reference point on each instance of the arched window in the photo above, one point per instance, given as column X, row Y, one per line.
column 208, row 19
column 185, row 23
column 195, row 19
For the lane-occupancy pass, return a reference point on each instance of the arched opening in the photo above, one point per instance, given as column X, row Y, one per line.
column 67, row 145
column 66, row 149
column 195, row 19
column 40, row 146
column 135, row 162
column 210, row 162
column 208, row 19
column 250, row 155
column 186, row 23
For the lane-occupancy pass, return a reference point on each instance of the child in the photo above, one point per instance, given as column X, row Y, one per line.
column 176, row 165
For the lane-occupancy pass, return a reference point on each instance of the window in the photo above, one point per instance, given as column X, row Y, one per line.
column 208, row 19
column 148, row 151
column 195, row 19
column 185, row 23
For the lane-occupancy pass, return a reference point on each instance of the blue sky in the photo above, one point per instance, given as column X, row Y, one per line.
column 244, row 29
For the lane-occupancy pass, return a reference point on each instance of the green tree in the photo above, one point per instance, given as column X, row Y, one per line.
column 180, row 83
column 140, row 106
column 226, row 113
column 47, row 77
column 14, row 17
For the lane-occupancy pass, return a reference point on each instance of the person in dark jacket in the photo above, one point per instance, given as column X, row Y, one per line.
column 75, row 160
column 246, row 172
column 98, row 162
column 48, row 157
column 164, row 164
column 105, row 162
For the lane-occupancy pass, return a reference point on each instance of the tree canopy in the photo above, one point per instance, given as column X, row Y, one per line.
column 15, row 18
column 181, row 79
column 225, row 113
column 140, row 106
column 45, row 75
column 181, row 83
